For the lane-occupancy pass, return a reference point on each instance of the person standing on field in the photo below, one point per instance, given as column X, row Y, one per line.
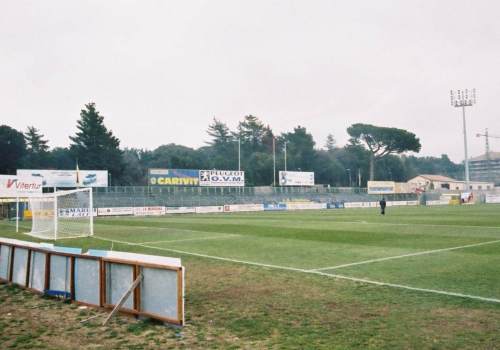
column 383, row 204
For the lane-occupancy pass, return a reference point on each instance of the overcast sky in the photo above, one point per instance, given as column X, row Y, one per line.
column 159, row 71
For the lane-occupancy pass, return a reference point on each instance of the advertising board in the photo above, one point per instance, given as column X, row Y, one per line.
column 116, row 211
column 209, row 209
column 437, row 202
column 335, row 205
column 222, row 178
column 360, row 204
column 20, row 186
column 75, row 212
column 398, row 203
column 179, row 210
column 493, row 198
column 173, row 177
column 305, row 206
column 296, row 178
column 273, row 207
column 144, row 211
column 243, row 207
column 381, row 187
column 68, row 178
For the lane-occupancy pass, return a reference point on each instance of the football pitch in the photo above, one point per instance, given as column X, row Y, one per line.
column 416, row 277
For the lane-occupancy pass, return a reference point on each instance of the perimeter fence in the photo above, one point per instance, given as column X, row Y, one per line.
column 134, row 196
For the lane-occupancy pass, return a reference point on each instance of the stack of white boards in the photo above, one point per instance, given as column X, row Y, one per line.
column 97, row 278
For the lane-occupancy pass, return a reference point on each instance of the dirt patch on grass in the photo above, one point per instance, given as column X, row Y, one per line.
column 30, row 321
column 473, row 320
column 234, row 306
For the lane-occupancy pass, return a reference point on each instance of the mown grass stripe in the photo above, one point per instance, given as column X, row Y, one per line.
column 405, row 256
column 287, row 268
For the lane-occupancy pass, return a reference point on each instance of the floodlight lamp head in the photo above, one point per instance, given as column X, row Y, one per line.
column 463, row 98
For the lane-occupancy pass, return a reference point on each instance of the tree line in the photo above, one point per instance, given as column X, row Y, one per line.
column 373, row 152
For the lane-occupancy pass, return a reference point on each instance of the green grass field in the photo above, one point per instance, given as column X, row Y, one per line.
column 419, row 277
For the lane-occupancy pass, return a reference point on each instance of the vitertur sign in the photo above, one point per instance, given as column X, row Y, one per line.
column 14, row 186
column 222, row 178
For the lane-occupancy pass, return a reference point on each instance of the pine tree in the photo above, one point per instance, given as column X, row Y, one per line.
column 251, row 132
column 13, row 149
column 223, row 147
column 330, row 143
column 37, row 149
column 220, row 134
column 94, row 146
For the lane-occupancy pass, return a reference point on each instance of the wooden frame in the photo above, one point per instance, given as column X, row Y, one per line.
column 103, row 272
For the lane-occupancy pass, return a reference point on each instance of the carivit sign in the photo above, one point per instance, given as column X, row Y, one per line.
column 222, row 178
column 14, row 186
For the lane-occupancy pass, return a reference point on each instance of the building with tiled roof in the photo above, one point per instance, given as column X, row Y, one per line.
column 429, row 182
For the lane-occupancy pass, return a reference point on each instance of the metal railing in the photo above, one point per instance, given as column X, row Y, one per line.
column 200, row 196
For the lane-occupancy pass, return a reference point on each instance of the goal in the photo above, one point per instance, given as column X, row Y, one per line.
column 62, row 214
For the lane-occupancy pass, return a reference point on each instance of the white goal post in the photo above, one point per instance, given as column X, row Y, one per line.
column 62, row 214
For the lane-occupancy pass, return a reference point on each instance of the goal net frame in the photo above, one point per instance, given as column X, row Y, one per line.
column 48, row 212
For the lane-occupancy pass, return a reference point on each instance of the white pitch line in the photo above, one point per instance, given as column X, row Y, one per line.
column 417, row 224
column 166, row 228
column 401, row 286
column 381, row 223
column 192, row 239
column 354, row 279
column 113, row 240
column 166, row 241
column 405, row 255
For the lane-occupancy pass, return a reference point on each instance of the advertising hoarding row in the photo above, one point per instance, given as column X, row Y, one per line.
column 191, row 177
column 68, row 178
column 12, row 186
column 296, row 178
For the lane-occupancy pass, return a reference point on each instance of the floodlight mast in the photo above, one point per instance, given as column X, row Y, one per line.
column 464, row 98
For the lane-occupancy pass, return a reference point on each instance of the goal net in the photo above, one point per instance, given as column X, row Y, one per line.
column 62, row 214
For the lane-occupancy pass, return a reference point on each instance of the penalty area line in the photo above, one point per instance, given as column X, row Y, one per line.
column 166, row 241
column 405, row 256
column 193, row 239
column 320, row 273
column 166, row 229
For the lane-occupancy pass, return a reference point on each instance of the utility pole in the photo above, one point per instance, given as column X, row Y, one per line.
column 285, row 155
column 274, row 162
column 239, row 154
column 464, row 98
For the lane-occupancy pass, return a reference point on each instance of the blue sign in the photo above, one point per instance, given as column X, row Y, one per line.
column 174, row 177
column 274, row 207
column 335, row 205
